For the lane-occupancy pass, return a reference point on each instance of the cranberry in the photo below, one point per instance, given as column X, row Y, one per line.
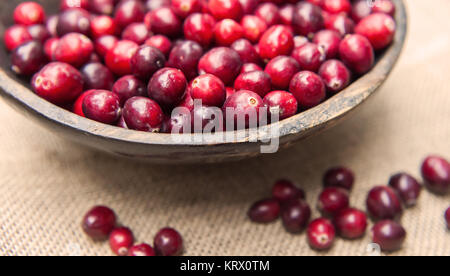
column 222, row 62
column 222, row 9
column 286, row 14
column 29, row 13
column 168, row 242
column 97, row 76
column 227, row 31
column 104, row 44
column 300, row 40
column 339, row 177
column 269, row 13
column 282, row 102
column 161, row 43
column 295, row 215
column 99, row 222
column 129, row 11
column 264, row 211
column 102, row 6
column 77, row 107
column 310, row 56
column 102, row 106
column 329, row 41
column 127, row 87
column 28, row 58
column 167, row 87
column 177, row 124
column 246, row 51
column 321, row 234
column 332, row 200
column 360, row 10
column 350, row 223
column 318, row 3
column 340, row 23
column 146, row 61
column 103, row 25
column 230, row 91
column 249, row 6
column 199, row 28
column 308, row 88
column 74, row 49
column 121, row 240
column 39, row 33
column 249, row 67
column 143, row 114
column 436, row 173
column 337, row 6
column 184, row 8
column 243, row 106
column 383, row 203
column 209, row 89
column 141, row 250
column 187, row 101
column 284, row 191
column 68, row 4
column 74, row 21
column 51, row 24
column 58, row 83
column 155, row 4
column 335, row 75
column 164, row 21
column 186, row 56
column 307, row 19
column 379, row 28
column 276, row 41
column 254, row 27
column 50, row 46
column 407, row 187
column 357, row 53
column 206, row 119
column 384, row 6
column 118, row 59
column 447, row 217
column 389, row 235
column 256, row 81
column 16, row 36
column 281, row 70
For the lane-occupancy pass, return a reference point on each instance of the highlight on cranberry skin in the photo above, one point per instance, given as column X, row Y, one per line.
column 321, row 234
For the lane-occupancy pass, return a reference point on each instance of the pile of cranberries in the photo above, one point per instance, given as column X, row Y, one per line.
column 131, row 62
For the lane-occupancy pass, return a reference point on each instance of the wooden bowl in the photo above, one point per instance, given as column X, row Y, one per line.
column 161, row 148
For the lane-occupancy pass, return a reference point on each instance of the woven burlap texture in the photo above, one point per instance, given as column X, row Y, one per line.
column 47, row 183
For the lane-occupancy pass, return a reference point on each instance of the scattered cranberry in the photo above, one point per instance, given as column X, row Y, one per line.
column 281, row 70
column 384, row 6
column 104, row 44
column 284, row 191
column 102, row 106
column 77, row 107
column 281, row 102
column 167, row 87
column 329, row 41
column 121, row 240
column 199, row 28
column 276, row 41
column 74, row 21
column 184, row 8
column 295, row 215
column 146, row 61
column 307, row 19
column 97, row 76
column 254, row 27
column 103, row 25
column 15, row 36
column 310, row 56
column 337, row 6
column 143, row 114
column 28, row 58
column 269, row 13
column 249, row 67
column 39, row 33
column 246, row 51
column 360, row 10
column 389, row 235
column 339, row 177
column 164, row 21
column 436, row 173
column 74, row 49
column 127, row 87
column 335, row 75
column 186, row 56
column 222, row 62
column 102, row 6
column 351, row 223
column 222, row 9
column 227, row 31
column 141, row 250
column 407, row 187
column 99, row 222
column 168, row 242
column 29, row 13
column 244, row 105
column 308, row 88
column 383, row 203
column 379, row 28
column 357, row 53
column 332, row 200
column 161, row 43
column 447, row 217
column 118, row 59
column 68, row 4
column 264, row 211
column 321, row 234
column 209, row 89
column 256, row 81
column 129, row 11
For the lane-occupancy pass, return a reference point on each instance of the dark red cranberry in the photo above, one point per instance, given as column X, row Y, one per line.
column 74, row 49
column 186, row 56
column 310, row 56
column 389, row 235
column 104, row 44
column 102, row 106
column 77, row 107
column 99, row 222
column 141, row 250
column 167, row 87
column 51, row 24
column 207, row 119
column 264, row 211
column 143, row 114
column 339, row 177
column 357, row 53
column 243, row 106
column 94, row 58
column 329, row 41
column 379, row 28
column 164, row 21
column 254, row 27
column 335, row 75
column 184, row 8
column 209, row 89
column 168, row 242
column 249, row 67
column 128, row 87
column 161, row 43
column 118, row 59
column 39, row 33
column 384, row 6
column 68, row 4
column 121, row 240
column 227, row 31
column 50, row 46
column 249, row 6
column 146, row 61
column 447, row 217
column 360, row 10
column 340, row 23
column 350, row 223
column 74, row 21
column 295, row 215
column 407, row 187
column 256, row 81
column 58, row 83
column 97, row 76
column 15, row 36
column 155, row 4
column 281, row 102
column 222, row 9
column 29, row 13
column 187, row 101
column 383, row 203
column 281, row 70
column 308, row 88
column 246, row 51
column 337, row 6
column 307, row 19
column 177, row 123
column 129, row 11
column 284, row 190
column 199, row 28
column 28, row 58
column 332, row 200
column 102, row 6
column 436, row 173
column 321, row 234
column 222, row 62
column 269, row 13
column 286, row 14
column 276, row 41
column 103, row 25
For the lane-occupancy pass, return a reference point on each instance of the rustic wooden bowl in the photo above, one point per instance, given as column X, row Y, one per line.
column 160, row 148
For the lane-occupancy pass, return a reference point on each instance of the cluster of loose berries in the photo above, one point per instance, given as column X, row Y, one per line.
column 100, row 223
column 131, row 62
column 384, row 205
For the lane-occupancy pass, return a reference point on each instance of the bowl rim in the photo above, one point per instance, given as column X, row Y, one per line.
column 332, row 109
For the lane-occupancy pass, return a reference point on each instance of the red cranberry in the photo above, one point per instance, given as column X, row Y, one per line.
column 447, row 217
column 436, row 173
column 118, row 59
column 177, row 124
column 155, row 4
column 383, row 203
column 310, row 56
column 407, row 187
column 222, row 62
column 58, row 83
column 243, row 106
column 339, row 177
column 121, row 240
column 307, row 19
column 254, row 27
column 321, row 234
column 379, row 28
column 28, row 58
column 384, row 6
column 103, row 25
column 282, row 102
column 357, row 53
column 350, row 223
column 335, row 75
column 256, row 81
column 332, row 200
column 146, row 61
column 329, row 41
column 389, row 235
column 337, row 6
column 318, row 3
column 249, row 67
column 68, row 4
column 286, row 14
column 360, row 10
column 340, row 23
column 186, row 56
column 209, row 89
column 281, row 70
column 29, row 13
column 308, row 88
column 276, row 41
column 50, row 46
column 300, row 40
column 102, row 106
column 143, row 114
column 129, row 11
column 102, row 6
column 246, row 51
column 51, row 24
column 77, row 107
column 74, row 21
column 141, row 250
column 97, row 76
column 199, row 28
column 74, row 49
column 104, row 44
column 168, row 242
column 264, row 211
column 167, row 87
column 99, row 222
column 227, row 31
column 284, row 191
column 230, row 91
column 206, row 119
column 222, row 9
column 161, row 43
column 164, row 21
column 128, row 87
column 295, row 215
column 249, row 6
column 39, row 33
column 16, row 36
column 269, row 13
column 184, row 8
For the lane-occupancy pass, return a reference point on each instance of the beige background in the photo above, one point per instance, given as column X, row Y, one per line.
column 47, row 184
